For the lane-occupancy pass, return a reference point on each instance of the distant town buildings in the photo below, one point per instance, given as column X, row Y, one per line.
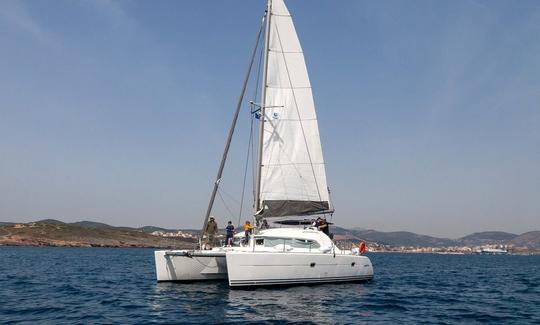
column 25, row 225
column 178, row 234
column 481, row 249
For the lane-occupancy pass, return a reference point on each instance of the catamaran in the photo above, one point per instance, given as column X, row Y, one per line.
column 290, row 184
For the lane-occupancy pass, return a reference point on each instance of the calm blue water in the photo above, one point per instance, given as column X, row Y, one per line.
column 99, row 285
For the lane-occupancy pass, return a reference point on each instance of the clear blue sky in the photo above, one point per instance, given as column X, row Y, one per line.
column 117, row 111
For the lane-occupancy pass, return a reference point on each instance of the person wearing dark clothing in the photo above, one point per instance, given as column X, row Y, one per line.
column 324, row 227
column 265, row 225
column 230, row 234
column 211, row 231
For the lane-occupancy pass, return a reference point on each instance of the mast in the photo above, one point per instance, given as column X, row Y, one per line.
column 263, row 105
column 230, row 135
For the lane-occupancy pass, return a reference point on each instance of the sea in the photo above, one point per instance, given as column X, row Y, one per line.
column 46, row 285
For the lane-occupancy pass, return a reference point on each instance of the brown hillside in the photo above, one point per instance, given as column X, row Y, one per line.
column 43, row 234
column 529, row 239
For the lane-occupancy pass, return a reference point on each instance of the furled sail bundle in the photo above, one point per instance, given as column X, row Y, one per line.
column 292, row 172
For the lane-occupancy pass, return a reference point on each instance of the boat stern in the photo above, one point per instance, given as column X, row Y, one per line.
column 182, row 265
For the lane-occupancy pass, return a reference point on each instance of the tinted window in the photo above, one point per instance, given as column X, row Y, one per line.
column 304, row 243
column 296, row 243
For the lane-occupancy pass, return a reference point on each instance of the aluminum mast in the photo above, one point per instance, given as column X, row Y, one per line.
column 263, row 104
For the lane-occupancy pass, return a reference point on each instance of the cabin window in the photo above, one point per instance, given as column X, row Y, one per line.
column 294, row 243
column 272, row 242
column 305, row 243
column 259, row 241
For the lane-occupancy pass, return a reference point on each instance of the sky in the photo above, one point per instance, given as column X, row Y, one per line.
column 117, row 111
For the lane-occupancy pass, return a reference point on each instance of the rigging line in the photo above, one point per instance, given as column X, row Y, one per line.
column 230, row 196
column 225, row 204
column 298, row 112
column 257, row 80
column 255, row 93
column 330, row 204
column 253, row 169
column 231, row 133
column 245, row 175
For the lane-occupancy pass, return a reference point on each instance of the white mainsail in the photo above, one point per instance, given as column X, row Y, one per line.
column 292, row 175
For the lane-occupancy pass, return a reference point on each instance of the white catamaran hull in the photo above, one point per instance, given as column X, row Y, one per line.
column 266, row 268
column 183, row 265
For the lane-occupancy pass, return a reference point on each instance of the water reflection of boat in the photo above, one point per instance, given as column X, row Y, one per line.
column 299, row 304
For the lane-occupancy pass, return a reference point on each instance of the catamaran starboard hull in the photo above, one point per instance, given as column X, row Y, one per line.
column 183, row 265
column 265, row 268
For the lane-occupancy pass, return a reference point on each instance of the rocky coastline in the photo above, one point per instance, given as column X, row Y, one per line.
column 66, row 235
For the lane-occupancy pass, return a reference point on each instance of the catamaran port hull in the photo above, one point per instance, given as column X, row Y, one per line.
column 184, row 265
column 265, row 268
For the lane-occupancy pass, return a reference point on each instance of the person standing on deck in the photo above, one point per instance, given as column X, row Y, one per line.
column 211, row 231
column 323, row 226
column 248, row 229
column 230, row 234
column 265, row 225
column 362, row 247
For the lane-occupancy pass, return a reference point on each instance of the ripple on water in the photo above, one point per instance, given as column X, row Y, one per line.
column 102, row 286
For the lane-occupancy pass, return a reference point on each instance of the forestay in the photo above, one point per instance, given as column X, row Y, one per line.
column 293, row 178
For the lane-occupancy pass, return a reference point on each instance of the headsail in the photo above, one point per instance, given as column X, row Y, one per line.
column 292, row 175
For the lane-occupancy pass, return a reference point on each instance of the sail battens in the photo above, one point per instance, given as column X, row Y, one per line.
column 278, row 51
column 281, row 164
column 269, row 118
column 292, row 170
column 281, row 15
column 281, row 87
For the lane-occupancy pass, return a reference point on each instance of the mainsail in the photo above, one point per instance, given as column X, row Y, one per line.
column 292, row 180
